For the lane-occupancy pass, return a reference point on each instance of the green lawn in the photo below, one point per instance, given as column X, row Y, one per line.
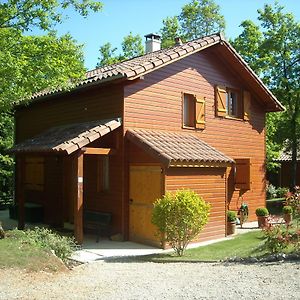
column 16, row 253
column 243, row 245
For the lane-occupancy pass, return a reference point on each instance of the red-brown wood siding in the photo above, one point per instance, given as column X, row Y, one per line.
column 81, row 106
column 155, row 103
column 209, row 183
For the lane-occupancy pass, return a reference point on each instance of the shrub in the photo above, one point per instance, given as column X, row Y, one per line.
column 271, row 191
column 282, row 192
column 45, row 238
column 231, row 216
column 180, row 217
column 262, row 212
column 287, row 209
column 279, row 239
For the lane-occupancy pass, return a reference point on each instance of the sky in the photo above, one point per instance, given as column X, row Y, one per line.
column 120, row 17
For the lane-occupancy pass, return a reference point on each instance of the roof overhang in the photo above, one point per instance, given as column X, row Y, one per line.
column 176, row 149
column 139, row 66
column 67, row 139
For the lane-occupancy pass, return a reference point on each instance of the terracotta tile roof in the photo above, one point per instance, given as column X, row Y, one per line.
column 177, row 148
column 138, row 66
column 67, row 138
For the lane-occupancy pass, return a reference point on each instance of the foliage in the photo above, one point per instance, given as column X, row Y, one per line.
column 287, row 209
column 32, row 63
column 282, row 192
column 272, row 50
column 107, row 55
column 17, row 251
column 231, row 216
column 44, row 14
column 169, row 31
column 180, row 217
column 281, row 239
column 45, row 238
column 293, row 200
column 262, row 212
column 132, row 46
column 272, row 192
column 197, row 18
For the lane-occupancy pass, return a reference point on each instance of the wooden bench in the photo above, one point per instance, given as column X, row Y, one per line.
column 100, row 220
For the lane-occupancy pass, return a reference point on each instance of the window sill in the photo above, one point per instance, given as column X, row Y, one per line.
column 234, row 118
column 188, row 127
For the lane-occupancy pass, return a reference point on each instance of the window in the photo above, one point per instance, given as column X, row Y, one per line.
column 102, row 173
column 188, row 110
column 193, row 111
column 232, row 103
column 242, row 173
column 34, row 173
column 232, row 107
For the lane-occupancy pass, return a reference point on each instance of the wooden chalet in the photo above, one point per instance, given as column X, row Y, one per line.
column 191, row 116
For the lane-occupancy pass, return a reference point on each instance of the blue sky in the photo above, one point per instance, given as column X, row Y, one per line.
column 120, row 17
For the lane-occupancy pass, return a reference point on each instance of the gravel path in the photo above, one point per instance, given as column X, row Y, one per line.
column 145, row 280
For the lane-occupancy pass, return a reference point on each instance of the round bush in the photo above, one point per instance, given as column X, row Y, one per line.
column 287, row 209
column 231, row 216
column 262, row 212
column 180, row 217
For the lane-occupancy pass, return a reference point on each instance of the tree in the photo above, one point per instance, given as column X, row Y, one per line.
column 200, row 18
column 132, row 46
column 43, row 14
column 32, row 63
column 197, row 18
column 107, row 55
column 169, row 31
column 275, row 45
column 180, row 217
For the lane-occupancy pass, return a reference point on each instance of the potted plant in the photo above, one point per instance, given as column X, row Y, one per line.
column 262, row 214
column 231, row 222
column 287, row 214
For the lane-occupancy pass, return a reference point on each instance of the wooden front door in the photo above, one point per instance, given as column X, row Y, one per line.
column 145, row 187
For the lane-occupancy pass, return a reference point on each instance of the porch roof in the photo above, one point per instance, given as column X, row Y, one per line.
column 173, row 148
column 67, row 138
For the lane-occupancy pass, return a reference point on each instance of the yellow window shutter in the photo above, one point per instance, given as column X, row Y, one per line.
column 200, row 112
column 242, row 173
column 220, row 97
column 247, row 105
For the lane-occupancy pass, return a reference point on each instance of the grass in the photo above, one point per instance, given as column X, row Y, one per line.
column 15, row 252
column 243, row 245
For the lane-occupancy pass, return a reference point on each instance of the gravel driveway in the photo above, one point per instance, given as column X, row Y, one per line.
column 146, row 280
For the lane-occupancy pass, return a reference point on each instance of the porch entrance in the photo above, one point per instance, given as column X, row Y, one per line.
column 144, row 188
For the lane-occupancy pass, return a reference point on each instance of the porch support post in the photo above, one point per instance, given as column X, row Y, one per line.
column 78, row 205
column 20, row 191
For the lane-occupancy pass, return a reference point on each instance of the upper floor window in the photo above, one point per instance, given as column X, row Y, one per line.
column 193, row 111
column 232, row 103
